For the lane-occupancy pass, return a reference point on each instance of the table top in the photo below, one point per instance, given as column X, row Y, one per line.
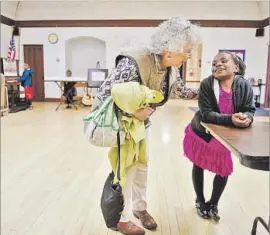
column 12, row 83
column 65, row 79
column 251, row 144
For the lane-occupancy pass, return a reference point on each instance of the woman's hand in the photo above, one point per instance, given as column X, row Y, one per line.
column 240, row 120
column 143, row 114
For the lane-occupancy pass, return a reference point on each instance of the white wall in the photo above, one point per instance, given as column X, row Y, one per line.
column 256, row 49
column 220, row 38
column 6, row 33
column 116, row 39
column 5, row 39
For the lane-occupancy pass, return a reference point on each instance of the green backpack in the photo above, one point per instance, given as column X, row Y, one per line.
column 102, row 125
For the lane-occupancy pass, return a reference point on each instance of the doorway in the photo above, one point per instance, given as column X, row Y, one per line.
column 33, row 55
column 191, row 70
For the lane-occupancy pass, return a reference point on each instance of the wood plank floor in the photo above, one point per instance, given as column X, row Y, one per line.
column 52, row 178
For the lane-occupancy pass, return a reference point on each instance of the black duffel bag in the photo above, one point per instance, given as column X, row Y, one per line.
column 112, row 199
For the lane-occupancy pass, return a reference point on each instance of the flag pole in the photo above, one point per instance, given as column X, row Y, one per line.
column 19, row 52
column 12, row 31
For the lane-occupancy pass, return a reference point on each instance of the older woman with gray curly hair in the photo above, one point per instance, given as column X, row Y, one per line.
column 157, row 68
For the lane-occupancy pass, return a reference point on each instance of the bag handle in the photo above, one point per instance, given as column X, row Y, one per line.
column 118, row 143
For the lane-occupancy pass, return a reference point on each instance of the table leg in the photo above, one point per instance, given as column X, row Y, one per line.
column 262, row 221
column 12, row 100
column 66, row 95
column 61, row 93
column 58, row 105
column 12, row 91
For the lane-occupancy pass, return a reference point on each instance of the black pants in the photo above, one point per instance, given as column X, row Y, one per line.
column 198, row 181
column 69, row 88
column 29, row 102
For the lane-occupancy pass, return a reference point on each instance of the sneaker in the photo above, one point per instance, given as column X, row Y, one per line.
column 202, row 209
column 213, row 212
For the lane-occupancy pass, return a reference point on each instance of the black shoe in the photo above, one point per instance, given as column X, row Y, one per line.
column 213, row 212
column 202, row 209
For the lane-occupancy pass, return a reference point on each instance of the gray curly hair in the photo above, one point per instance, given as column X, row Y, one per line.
column 173, row 34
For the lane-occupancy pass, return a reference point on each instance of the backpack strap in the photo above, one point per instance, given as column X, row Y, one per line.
column 116, row 109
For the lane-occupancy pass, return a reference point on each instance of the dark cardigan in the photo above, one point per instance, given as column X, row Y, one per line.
column 209, row 112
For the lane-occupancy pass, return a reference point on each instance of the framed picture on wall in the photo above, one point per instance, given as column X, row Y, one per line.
column 240, row 53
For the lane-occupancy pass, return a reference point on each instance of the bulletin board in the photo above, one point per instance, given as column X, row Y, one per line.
column 96, row 77
column 240, row 53
column 10, row 68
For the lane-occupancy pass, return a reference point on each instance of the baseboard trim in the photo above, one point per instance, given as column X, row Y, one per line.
column 261, row 106
column 52, row 100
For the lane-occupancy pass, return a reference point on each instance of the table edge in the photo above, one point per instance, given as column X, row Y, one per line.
column 261, row 163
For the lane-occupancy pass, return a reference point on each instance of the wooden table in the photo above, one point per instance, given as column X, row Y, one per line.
column 58, row 80
column 13, row 92
column 250, row 145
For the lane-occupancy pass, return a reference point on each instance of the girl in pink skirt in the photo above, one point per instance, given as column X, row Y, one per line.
column 226, row 99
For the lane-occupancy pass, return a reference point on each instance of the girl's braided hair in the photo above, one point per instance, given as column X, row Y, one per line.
column 238, row 61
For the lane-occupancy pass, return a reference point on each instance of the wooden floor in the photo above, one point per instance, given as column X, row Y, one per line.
column 52, row 178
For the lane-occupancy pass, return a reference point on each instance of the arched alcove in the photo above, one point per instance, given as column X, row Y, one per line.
column 83, row 53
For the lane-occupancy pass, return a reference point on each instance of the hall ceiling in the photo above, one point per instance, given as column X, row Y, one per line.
column 132, row 9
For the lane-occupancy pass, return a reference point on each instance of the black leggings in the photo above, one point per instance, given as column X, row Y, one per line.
column 67, row 89
column 29, row 102
column 218, row 185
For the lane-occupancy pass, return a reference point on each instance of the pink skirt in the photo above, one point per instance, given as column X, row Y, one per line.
column 212, row 156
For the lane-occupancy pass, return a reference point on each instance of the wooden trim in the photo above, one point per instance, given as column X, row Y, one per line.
column 193, row 81
column 134, row 23
column 130, row 23
column 7, row 21
column 184, row 72
column 52, row 100
column 75, row 98
column 267, row 96
column 265, row 22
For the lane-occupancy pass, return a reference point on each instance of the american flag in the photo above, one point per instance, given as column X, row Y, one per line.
column 11, row 49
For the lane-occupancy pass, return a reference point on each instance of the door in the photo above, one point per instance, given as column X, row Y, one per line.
column 33, row 55
column 192, row 68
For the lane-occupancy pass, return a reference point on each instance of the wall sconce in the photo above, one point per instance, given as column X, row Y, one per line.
column 57, row 59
